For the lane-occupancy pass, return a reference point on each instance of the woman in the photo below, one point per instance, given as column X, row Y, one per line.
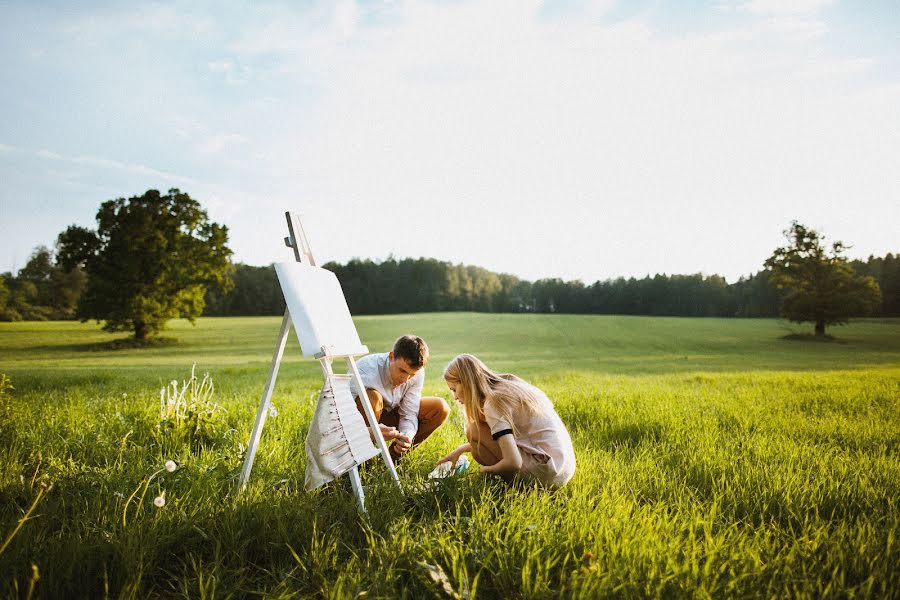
column 512, row 425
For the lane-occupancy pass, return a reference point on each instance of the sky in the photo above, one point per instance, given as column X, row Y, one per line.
column 581, row 140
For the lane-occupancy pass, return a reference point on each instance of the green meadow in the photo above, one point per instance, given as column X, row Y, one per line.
column 718, row 458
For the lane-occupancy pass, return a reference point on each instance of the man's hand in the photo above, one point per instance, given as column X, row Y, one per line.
column 402, row 443
column 387, row 432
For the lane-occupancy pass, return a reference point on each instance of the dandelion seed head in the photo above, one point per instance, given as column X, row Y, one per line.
column 171, row 465
column 159, row 502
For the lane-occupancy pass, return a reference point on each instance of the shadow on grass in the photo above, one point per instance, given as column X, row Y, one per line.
column 818, row 339
column 128, row 343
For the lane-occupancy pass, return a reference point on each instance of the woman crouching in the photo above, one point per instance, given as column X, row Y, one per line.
column 512, row 425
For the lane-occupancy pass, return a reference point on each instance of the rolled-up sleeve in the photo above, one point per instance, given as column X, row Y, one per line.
column 409, row 404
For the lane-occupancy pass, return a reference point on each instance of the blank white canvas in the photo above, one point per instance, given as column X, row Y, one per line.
column 318, row 310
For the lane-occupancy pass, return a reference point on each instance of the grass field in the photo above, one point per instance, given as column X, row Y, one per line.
column 715, row 459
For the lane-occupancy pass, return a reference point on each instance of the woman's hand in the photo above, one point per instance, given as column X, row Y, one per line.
column 454, row 456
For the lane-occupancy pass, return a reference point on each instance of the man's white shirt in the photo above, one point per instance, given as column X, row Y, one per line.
column 374, row 370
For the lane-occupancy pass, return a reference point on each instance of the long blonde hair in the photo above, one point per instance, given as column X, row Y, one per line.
column 476, row 385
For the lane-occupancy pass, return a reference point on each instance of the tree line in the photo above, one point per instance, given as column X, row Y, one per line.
column 44, row 290
column 429, row 285
column 157, row 257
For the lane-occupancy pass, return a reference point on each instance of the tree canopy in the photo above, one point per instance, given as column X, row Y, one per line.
column 150, row 260
column 42, row 290
column 821, row 285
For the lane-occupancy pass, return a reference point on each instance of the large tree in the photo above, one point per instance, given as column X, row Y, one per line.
column 150, row 260
column 821, row 286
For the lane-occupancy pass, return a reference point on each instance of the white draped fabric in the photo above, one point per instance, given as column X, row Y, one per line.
column 338, row 438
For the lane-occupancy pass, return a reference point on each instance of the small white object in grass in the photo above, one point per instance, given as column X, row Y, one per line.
column 446, row 468
column 273, row 412
column 441, row 471
column 171, row 465
column 159, row 501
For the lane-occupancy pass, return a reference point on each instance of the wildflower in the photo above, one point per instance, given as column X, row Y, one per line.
column 273, row 412
column 160, row 500
column 171, row 465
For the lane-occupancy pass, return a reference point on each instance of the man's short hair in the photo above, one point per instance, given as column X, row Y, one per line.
column 412, row 349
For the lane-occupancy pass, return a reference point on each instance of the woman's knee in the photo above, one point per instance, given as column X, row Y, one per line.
column 472, row 432
column 484, row 449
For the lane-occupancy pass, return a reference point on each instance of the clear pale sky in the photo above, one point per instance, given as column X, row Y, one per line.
column 584, row 140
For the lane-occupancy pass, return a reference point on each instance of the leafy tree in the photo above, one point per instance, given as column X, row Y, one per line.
column 149, row 261
column 886, row 271
column 821, row 286
column 891, row 286
column 4, row 298
column 57, row 290
column 754, row 296
column 255, row 292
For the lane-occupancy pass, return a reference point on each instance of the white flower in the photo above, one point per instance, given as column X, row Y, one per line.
column 273, row 412
column 171, row 465
column 159, row 501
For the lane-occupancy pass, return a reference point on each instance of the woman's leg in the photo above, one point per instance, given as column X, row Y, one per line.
column 485, row 450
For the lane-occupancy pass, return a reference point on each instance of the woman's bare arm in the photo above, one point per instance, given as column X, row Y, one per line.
column 467, row 447
column 512, row 458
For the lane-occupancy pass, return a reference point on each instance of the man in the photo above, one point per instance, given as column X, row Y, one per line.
column 393, row 382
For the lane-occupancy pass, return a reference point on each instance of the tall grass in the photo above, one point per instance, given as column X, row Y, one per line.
column 733, row 483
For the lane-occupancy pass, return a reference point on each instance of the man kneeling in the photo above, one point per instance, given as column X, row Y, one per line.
column 393, row 382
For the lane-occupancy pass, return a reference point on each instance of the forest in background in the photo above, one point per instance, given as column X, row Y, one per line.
column 43, row 290
column 428, row 285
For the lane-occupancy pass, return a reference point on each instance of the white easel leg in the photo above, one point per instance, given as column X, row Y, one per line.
column 373, row 422
column 263, row 411
column 356, row 484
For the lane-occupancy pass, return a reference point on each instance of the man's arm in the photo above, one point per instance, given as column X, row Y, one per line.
column 409, row 406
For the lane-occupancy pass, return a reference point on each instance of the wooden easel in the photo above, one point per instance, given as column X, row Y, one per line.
column 303, row 254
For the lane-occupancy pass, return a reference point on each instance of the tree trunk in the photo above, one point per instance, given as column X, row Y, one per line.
column 820, row 328
column 140, row 330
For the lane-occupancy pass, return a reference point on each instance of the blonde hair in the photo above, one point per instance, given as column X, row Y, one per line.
column 476, row 386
